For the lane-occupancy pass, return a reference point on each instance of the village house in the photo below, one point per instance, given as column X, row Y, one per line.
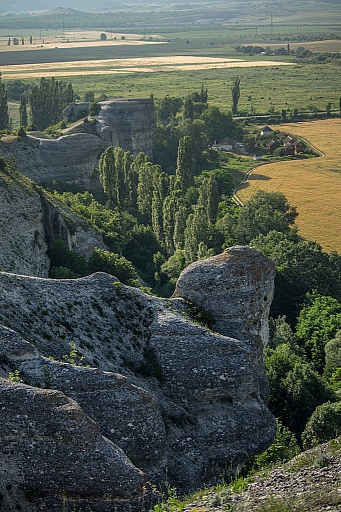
column 266, row 131
column 299, row 146
column 225, row 144
column 289, row 149
column 272, row 146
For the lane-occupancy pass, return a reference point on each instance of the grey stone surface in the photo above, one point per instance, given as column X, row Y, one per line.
column 190, row 400
column 53, row 456
column 70, row 159
column 29, row 225
column 128, row 123
column 242, row 279
column 76, row 111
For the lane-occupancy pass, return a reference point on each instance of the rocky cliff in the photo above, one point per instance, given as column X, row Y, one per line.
column 30, row 223
column 70, row 159
column 174, row 396
column 127, row 123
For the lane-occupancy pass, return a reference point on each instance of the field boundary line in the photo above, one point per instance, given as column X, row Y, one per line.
column 248, row 173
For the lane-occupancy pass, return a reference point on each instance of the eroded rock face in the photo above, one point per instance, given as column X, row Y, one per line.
column 29, row 225
column 70, row 159
column 53, row 455
column 242, row 279
column 128, row 123
column 190, row 399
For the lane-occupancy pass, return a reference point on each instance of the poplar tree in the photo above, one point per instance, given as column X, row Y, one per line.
column 145, row 190
column 209, row 198
column 160, row 189
column 187, row 110
column 23, row 110
column 179, row 227
column 48, row 100
column 235, row 94
column 108, row 175
column 185, row 164
column 4, row 116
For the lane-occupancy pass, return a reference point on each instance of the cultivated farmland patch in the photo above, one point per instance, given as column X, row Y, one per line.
column 313, row 185
column 134, row 65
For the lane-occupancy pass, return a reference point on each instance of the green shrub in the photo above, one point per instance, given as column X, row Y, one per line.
column 323, row 425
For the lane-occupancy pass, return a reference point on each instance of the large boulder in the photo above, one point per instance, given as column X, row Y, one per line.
column 235, row 288
column 53, row 457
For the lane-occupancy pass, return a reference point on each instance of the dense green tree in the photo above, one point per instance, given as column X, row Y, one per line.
column 4, row 115
column 23, row 111
column 108, row 175
column 235, row 89
column 295, row 388
column 282, row 333
column 209, row 198
column 62, row 257
column 318, row 323
column 218, row 125
column 196, row 234
column 118, row 266
column 48, row 100
column 168, row 107
column 185, row 164
column 180, row 220
column 332, row 351
column 165, row 146
column 145, row 190
column 140, row 250
column 323, row 425
column 187, row 109
column 301, row 266
column 160, row 191
column 264, row 212
column 283, row 448
column 170, row 207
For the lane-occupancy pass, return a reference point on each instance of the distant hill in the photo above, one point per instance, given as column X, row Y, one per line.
column 17, row 6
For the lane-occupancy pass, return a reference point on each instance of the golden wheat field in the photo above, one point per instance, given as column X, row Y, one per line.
column 312, row 185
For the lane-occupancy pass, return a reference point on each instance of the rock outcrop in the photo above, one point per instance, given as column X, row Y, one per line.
column 29, row 225
column 127, row 123
column 171, row 394
column 53, row 456
column 242, row 280
column 70, row 159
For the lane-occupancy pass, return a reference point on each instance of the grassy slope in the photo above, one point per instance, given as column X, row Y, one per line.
column 313, row 185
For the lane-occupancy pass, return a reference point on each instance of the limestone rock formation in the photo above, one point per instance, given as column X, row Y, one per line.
column 53, row 456
column 70, row 159
column 190, row 400
column 242, row 280
column 29, row 225
column 76, row 111
column 128, row 123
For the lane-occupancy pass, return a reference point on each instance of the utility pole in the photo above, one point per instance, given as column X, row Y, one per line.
column 271, row 25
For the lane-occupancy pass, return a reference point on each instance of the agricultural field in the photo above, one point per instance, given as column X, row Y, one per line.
column 312, row 185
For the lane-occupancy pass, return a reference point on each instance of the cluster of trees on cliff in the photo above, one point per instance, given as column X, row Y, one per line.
column 40, row 106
